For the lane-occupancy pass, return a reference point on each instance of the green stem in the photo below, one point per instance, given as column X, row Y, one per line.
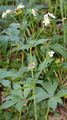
column 19, row 115
column 14, row 19
column 62, row 14
column 46, row 117
column 60, row 78
column 56, row 7
column 50, row 6
column 35, row 107
column 37, row 54
column 39, row 33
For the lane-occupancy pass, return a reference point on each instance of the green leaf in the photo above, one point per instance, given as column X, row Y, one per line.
column 17, row 93
column 6, row 83
column 15, row 25
column 16, row 86
column 12, row 33
column 41, row 94
column 34, row 43
column 62, row 93
column 10, row 103
column 50, row 88
column 60, row 49
column 4, row 73
column 42, row 67
column 64, row 65
column 44, row 64
column 27, row 87
column 19, row 105
column 4, row 43
column 52, row 102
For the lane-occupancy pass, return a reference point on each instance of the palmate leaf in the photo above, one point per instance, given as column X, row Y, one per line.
column 44, row 64
column 12, row 33
column 13, row 99
column 42, row 67
column 27, row 87
column 49, row 94
column 19, row 105
column 4, row 73
column 52, row 102
column 62, row 93
column 6, row 83
column 60, row 49
column 32, row 43
column 41, row 94
column 50, row 88
column 20, row 72
column 9, row 103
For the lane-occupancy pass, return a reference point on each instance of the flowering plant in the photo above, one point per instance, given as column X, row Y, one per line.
column 33, row 58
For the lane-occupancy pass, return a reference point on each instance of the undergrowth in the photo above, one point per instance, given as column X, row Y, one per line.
column 33, row 58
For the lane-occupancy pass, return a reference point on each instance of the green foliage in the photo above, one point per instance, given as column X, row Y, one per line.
column 33, row 59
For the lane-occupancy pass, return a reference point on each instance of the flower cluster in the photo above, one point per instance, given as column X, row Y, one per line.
column 46, row 20
column 51, row 53
column 34, row 12
column 20, row 6
column 6, row 13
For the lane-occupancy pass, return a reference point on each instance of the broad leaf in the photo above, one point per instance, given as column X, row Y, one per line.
column 6, row 83
column 52, row 102
column 41, row 94
column 62, row 93
column 60, row 49
column 27, row 87
column 50, row 88
column 9, row 103
column 4, row 73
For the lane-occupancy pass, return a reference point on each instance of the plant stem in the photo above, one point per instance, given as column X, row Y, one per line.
column 60, row 78
column 46, row 117
column 35, row 107
column 56, row 7
column 62, row 14
column 39, row 33
column 19, row 115
column 50, row 6
column 14, row 19
column 57, row 77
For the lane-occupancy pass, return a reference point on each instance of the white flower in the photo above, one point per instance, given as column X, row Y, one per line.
column 51, row 15
column 3, row 15
column 34, row 12
column 31, row 65
column 46, row 20
column 51, row 53
column 6, row 13
column 20, row 6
